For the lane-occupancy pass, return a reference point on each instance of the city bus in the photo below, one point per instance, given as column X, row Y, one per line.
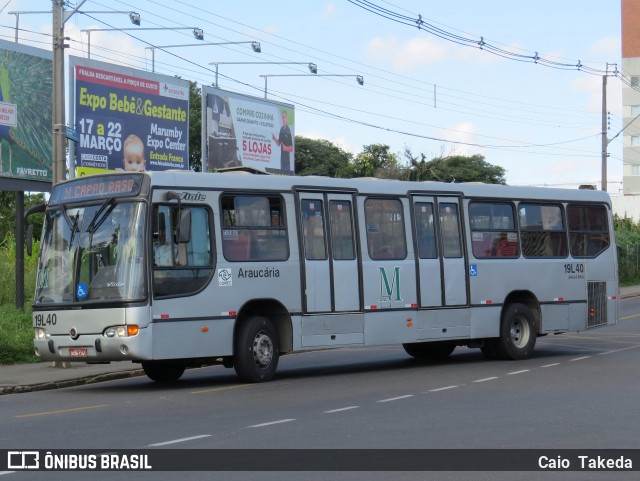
column 179, row 269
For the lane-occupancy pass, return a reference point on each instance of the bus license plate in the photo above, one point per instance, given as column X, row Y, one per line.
column 77, row 352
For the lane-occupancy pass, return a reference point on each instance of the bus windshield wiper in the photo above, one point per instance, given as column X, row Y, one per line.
column 74, row 228
column 93, row 225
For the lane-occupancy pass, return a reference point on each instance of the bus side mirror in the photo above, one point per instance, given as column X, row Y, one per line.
column 29, row 232
column 29, row 240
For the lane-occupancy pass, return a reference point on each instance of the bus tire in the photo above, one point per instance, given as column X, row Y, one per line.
column 430, row 350
column 517, row 333
column 163, row 372
column 256, row 350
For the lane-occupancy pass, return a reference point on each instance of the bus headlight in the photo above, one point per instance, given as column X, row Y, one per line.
column 121, row 331
column 40, row 333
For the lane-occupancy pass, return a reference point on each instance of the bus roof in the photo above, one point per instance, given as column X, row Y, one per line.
column 370, row 186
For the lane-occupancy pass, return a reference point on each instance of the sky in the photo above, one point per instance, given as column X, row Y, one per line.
column 422, row 92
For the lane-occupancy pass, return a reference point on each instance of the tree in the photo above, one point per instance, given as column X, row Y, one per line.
column 375, row 160
column 455, row 168
column 320, row 157
column 8, row 214
column 195, row 127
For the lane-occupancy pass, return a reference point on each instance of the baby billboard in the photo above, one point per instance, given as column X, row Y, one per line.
column 128, row 119
column 243, row 130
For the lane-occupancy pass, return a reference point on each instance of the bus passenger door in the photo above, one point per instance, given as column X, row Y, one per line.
column 331, row 276
column 441, row 262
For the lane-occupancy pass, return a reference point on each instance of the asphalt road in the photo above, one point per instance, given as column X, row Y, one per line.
column 578, row 391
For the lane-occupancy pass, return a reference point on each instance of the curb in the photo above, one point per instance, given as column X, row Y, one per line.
column 71, row 382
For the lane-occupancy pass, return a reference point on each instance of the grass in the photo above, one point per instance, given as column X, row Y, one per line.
column 16, row 336
column 16, row 332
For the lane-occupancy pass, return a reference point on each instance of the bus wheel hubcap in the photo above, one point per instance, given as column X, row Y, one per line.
column 262, row 349
column 519, row 332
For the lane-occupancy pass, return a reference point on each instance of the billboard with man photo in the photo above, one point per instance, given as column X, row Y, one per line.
column 243, row 130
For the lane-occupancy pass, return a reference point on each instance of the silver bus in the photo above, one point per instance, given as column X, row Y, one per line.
column 181, row 269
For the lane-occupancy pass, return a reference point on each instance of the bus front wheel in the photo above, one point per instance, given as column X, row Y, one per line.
column 517, row 334
column 256, row 350
column 163, row 372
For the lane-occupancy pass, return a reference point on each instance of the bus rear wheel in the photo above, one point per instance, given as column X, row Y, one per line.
column 163, row 372
column 256, row 350
column 517, row 334
column 430, row 350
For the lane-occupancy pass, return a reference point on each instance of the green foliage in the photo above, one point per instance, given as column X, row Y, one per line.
column 455, row 168
column 195, row 127
column 376, row 160
column 320, row 157
column 16, row 336
column 628, row 240
column 16, row 333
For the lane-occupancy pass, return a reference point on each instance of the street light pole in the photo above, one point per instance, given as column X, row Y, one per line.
column 198, row 33
column 254, row 45
column 359, row 78
column 313, row 68
column 58, row 162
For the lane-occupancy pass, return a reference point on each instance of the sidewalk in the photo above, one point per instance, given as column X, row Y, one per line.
column 19, row 378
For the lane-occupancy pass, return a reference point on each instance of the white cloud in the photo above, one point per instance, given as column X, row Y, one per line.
column 330, row 10
column 462, row 132
column 405, row 56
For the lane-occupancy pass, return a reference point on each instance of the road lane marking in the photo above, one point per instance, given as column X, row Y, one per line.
column 341, row 409
column 395, row 398
column 442, row 388
column 181, row 440
column 215, row 389
column 579, row 358
column 271, row 423
column 518, row 372
column 551, row 365
column 61, row 411
column 486, row 379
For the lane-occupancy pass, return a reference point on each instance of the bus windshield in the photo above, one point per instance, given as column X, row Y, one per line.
column 92, row 253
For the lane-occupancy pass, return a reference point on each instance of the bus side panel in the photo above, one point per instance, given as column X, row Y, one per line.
column 189, row 339
column 485, row 321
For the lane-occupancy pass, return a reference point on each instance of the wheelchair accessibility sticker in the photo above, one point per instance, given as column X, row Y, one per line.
column 81, row 291
column 473, row 270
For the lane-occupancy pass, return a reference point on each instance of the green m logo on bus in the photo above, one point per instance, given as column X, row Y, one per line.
column 390, row 291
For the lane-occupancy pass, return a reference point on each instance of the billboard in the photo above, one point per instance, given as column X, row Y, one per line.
column 243, row 130
column 128, row 119
column 26, row 77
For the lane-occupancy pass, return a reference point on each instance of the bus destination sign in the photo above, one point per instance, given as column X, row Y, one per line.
column 96, row 187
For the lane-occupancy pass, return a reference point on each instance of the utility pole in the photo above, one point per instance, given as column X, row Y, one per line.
column 58, row 162
column 604, row 134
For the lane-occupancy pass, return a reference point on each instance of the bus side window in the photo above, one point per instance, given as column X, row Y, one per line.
column 588, row 230
column 386, row 237
column 313, row 229
column 450, row 230
column 341, row 223
column 182, row 266
column 425, row 230
column 253, row 228
column 543, row 230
